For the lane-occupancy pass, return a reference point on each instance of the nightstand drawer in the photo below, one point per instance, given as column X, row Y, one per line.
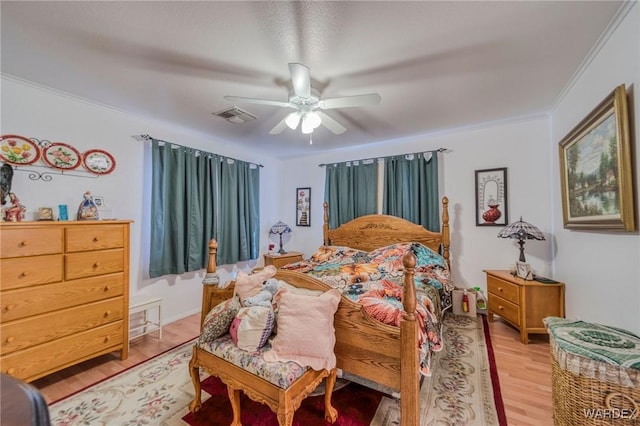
column 503, row 289
column 283, row 259
column 505, row 309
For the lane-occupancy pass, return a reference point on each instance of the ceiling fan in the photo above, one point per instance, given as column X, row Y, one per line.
column 308, row 106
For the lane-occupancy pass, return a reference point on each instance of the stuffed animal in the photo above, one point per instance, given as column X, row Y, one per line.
column 248, row 285
column 265, row 296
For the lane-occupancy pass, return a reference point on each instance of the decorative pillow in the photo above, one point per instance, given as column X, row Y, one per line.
column 306, row 334
column 251, row 327
column 218, row 320
column 247, row 285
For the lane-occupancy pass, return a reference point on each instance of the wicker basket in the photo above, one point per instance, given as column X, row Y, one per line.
column 590, row 391
column 581, row 401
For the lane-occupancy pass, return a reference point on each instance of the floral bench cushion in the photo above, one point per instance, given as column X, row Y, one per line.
column 281, row 374
column 595, row 351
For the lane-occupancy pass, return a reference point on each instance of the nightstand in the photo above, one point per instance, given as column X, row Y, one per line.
column 522, row 303
column 279, row 260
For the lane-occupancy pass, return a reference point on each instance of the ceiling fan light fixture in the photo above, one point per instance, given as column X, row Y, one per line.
column 293, row 120
column 306, row 129
column 312, row 119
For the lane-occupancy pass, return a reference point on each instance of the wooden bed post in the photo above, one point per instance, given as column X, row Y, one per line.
column 409, row 377
column 211, row 284
column 446, row 238
column 325, row 226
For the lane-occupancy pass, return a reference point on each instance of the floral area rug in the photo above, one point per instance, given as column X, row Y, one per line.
column 151, row 393
column 463, row 389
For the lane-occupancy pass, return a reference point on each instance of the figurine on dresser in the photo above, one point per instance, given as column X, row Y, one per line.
column 15, row 213
column 88, row 209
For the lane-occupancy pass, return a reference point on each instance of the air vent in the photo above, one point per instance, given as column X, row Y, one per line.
column 235, row 115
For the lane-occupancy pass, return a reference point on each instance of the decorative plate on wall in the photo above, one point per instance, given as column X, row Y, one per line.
column 15, row 149
column 98, row 161
column 61, row 156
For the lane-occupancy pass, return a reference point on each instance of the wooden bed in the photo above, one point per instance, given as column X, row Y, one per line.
column 365, row 347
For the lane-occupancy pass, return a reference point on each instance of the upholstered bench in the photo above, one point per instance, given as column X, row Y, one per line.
column 280, row 385
column 595, row 373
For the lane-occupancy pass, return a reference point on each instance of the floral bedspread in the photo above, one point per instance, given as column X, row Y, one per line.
column 375, row 279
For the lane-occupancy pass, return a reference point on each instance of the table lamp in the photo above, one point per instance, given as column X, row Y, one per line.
column 279, row 229
column 521, row 231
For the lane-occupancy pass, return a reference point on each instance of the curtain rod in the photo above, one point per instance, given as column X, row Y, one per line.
column 147, row 138
column 382, row 158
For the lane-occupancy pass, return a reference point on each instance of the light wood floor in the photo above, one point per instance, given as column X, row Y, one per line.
column 524, row 370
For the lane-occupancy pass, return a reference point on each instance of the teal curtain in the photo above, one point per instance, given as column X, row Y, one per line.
column 411, row 189
column 350, row 190
column 239, row 211
column 190, row 204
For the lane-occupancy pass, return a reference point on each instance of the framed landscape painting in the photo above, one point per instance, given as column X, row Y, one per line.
column 595, row 169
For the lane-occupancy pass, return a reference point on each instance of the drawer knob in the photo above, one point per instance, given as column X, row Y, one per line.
column 24, row 243
column 501, row 308
column 10, row 339
column 9, row 307
column 106, row 288
column 107, row 313
column 11, row 370
column 95, row 239
column 24, row 274
column 95, row 265
column 500, row 289
column 106, row 339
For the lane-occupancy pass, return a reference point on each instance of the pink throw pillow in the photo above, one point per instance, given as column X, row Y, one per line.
column 306, row 334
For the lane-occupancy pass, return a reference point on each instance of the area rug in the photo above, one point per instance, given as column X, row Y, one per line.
column 463, row 390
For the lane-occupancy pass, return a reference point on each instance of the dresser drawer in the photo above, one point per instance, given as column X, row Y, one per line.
column 30, row 242
column 504, row 289
column 24, row 272
column 505, row 309
column 20, row 303
column 88, row 264
column 41, row 360
column 21, row 334
column 87, row 238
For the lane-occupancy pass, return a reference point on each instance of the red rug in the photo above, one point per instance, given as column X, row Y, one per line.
column 356, row 406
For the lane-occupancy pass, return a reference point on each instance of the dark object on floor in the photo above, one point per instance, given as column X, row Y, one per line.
column 22, row 404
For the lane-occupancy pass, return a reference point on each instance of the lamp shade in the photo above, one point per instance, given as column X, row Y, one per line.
column 521, row 231
column 280, row 228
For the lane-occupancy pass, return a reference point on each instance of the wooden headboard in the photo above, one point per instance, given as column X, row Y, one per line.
column 378, row 230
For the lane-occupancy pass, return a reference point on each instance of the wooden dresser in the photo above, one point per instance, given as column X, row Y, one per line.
column 64, row 294
column 523, row 303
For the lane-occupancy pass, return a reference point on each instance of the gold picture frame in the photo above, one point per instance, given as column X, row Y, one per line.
column 595, row 169
column 45, row 213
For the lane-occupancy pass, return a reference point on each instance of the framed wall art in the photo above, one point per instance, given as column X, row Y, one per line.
column 303, row 206
column 491, row 197
column 595, row 169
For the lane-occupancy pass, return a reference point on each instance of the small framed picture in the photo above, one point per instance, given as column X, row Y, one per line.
column 303, row 206
column 491, row 197
column 523, row 270
column 45, row 213
column 99, row 200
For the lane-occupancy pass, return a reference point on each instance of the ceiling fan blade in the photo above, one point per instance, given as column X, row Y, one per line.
column 279, row 128
column 257, row 101
column 350, row 101
column 331, row 124
column 301, row 80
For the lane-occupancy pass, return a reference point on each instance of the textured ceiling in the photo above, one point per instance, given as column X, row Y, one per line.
column 436, row 65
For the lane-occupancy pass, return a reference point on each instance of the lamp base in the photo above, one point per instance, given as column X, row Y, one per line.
column 521, row 259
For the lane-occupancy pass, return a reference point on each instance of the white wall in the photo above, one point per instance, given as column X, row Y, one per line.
column 602, row 268
column 520, row 146
column 40, row 113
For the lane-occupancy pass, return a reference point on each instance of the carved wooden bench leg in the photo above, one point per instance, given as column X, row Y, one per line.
column 234, row 398
column 194, row 370
column 330, row 413
column 285, row 413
